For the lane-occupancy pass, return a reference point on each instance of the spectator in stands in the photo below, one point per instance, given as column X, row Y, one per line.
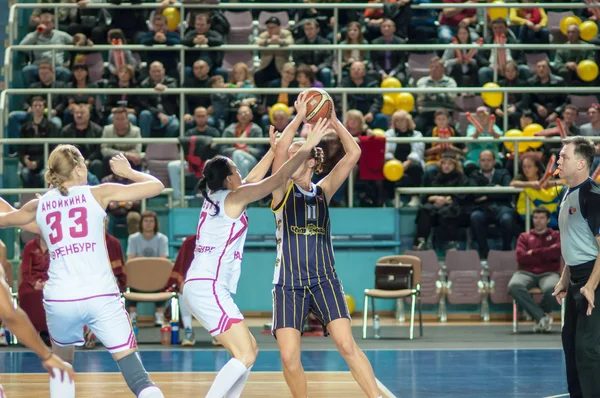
column 160, row 35
column 566, row 60
column 411, row 155
column 271, row 62
column 131, row 21
column 17, row 118
column 131, row 103
column 474, row 149
column 199, row 79
column 368, row 104
column 355, row 123
column 148, row 242
column 122, row 213
column 281, row 119
column 569, row 118
column 220, row 101
column 373, row 18
column 442, row 128
column 593, row 127
column 121, row 128
column 160, row 111
column 354, row 35
column 546, row 106
column 491, row 208
column 538, row 255
column 32, row 155
column 533, row 23
column 547, row 195
column 287, row 80
column 516, row 102
column 202, row 129
column 389, row 63
column 500, row 31
column 82, row 127
column 423, row 28
column 80, row 82
column 428, row 104
column 66, row 16
column 200, row 37
column 461, row 66
column 306, row 78
column 400, row 12
column 241, row 78
column 45, row 34
column 319, row 61
column 451, row 18
column 444, row 211
column 35, row 261
column 245, row 156
column 127, row 56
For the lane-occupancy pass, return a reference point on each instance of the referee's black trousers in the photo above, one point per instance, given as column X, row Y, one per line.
column 581, row 337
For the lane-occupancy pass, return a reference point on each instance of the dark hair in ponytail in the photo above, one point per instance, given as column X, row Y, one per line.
column 216, row 170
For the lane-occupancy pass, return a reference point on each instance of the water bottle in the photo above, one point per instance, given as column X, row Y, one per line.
column 376, row 326
column 134, row 326
column 174, row 332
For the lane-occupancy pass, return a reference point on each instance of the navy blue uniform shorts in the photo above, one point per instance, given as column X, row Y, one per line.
column 291, row 305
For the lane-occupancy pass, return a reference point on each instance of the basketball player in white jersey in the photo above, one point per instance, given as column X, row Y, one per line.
column 215, row 270
column 81, row 289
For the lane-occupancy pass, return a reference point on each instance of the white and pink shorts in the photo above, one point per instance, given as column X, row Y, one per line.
column 212, row 304
column 105, row 315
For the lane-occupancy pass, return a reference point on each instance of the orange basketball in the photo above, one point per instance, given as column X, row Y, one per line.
column 320, row 105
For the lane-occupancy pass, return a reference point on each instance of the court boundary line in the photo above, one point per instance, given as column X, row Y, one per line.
column 384, row 389
column 334, row 349
column 557, row 396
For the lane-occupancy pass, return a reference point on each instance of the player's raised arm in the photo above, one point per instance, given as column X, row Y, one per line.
column 237, row 201
column 259, row 171
column 23, row 216
column 144, row 185
column 5, row 207
column 344, row 167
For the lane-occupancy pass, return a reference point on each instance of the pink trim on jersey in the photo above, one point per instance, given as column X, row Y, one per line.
column 73, row 343
column 230, row 322
column 244, row 221
column 198, row 279
column 224, row 314
column 81, row 299
column 128, row 343
column 2, row 392
column 223, row 317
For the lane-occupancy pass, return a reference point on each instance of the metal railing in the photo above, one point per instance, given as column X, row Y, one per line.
column 465, row 190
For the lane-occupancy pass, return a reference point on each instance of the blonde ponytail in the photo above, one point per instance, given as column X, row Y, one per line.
column 54, row 181
column 319, row 156
column 62, row 162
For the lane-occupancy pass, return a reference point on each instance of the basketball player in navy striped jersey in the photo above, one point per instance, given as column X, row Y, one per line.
column 305, row 279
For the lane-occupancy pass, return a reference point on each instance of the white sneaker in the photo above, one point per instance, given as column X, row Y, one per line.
column 414, row 202
column 189, row 339
column 159, row 319
column 544, row 325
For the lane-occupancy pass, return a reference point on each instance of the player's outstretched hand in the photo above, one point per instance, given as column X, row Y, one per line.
column 300, row 105
column 273, row 135
column 318, row 132
column 120, row 165
column 54, row 362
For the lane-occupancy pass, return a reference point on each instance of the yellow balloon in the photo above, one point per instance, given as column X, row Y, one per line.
column 173, row 17
column 391, row 82
column 492, row 99
column 404, row 102
column 379, row 132
column 389, row 105
column 511, row 145
column 588, row 30
column 278, row 107
column 529, row 131
column 569, row 20
column 587, row 70
column 350, row 303
column 393, row 170
column 495, row 13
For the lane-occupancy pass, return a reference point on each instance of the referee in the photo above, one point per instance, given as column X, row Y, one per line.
column 579, row 223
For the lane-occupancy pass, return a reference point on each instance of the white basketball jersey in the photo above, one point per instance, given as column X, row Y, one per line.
column 219, row 244
column 73, row 228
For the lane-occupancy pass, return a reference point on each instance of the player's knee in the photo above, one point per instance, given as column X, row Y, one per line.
column 248, row 357
column 290, row 359
column 135, row 375
column 347, row 348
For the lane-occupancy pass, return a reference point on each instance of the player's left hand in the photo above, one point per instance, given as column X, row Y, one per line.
column 589, row 294
column 120, row 165
column 273, row 138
